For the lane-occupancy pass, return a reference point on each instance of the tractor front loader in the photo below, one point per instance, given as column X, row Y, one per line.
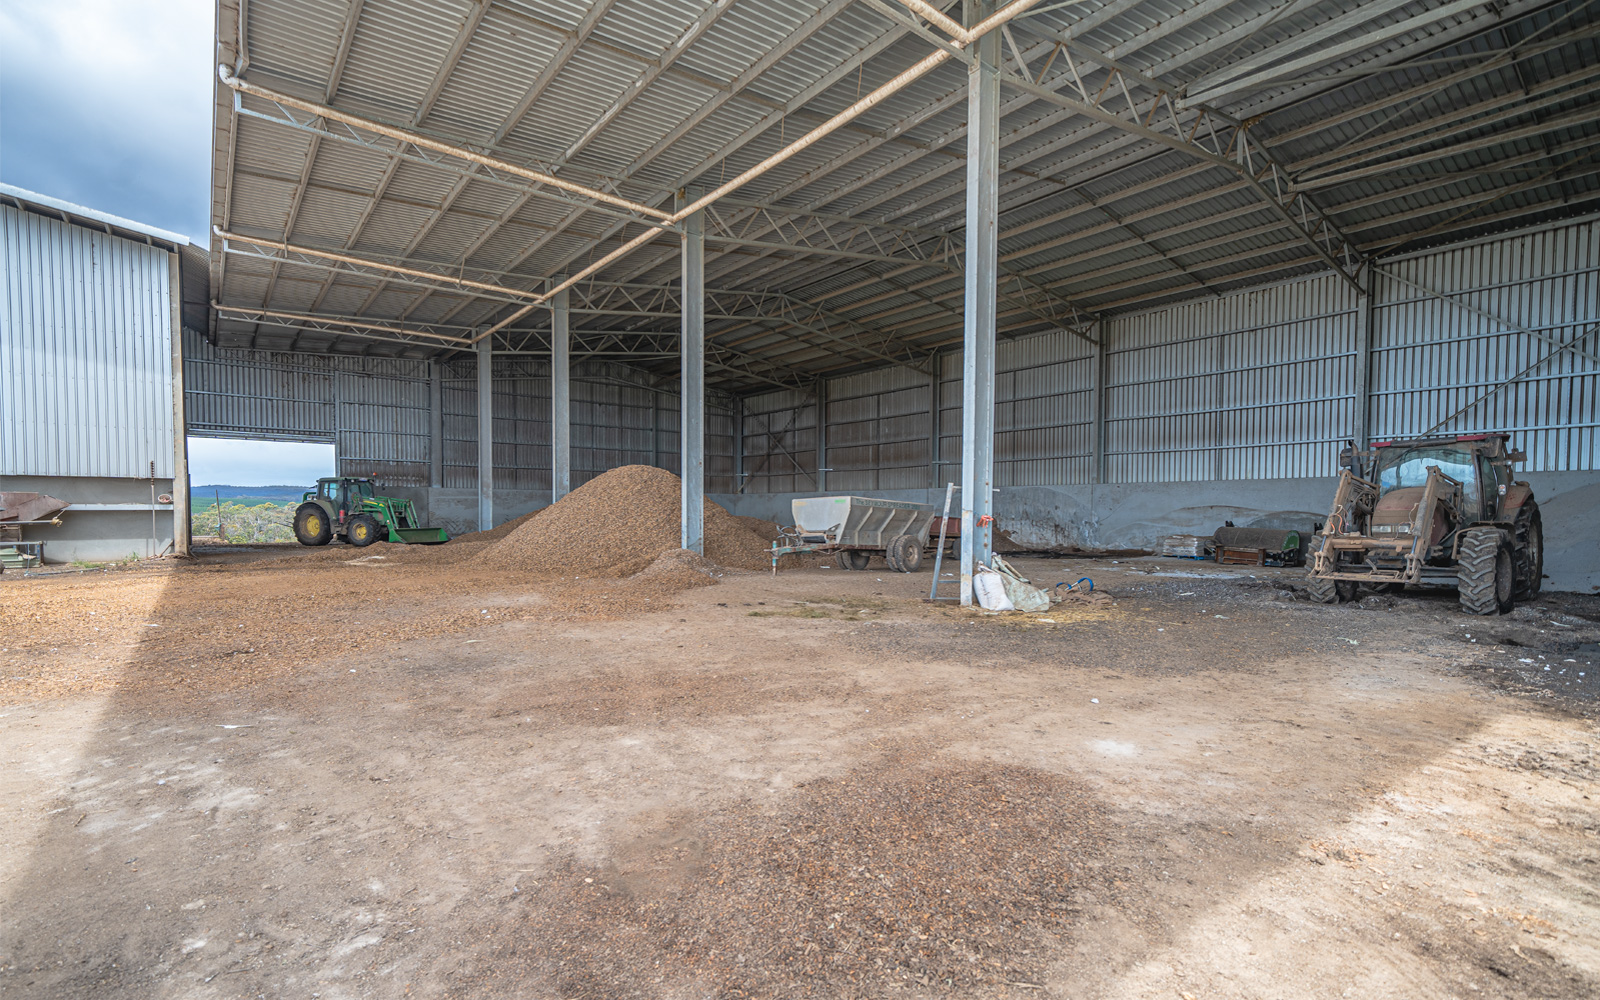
column 1435, row 511
column 349, row 508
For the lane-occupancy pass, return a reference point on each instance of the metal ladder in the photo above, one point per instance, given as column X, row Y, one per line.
column 938, row 553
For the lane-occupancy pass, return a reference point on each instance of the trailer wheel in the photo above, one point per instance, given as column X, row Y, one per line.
column 311, row 525
column 362, row 531
column 904, row 554
column 1486, row 574
column 853, row 559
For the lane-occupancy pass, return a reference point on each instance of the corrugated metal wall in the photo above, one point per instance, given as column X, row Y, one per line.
column 1256, row 384
column 1252, row 385
column 85, row 352
column 1432, row 359
column 376, row 412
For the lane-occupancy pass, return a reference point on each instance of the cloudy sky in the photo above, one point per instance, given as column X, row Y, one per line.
column 107, row 103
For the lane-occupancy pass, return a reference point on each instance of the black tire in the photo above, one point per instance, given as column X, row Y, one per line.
column 1529, row 556
column 852, row 559
column 1486, row 573
column 904, row 554
column 362, row 530
column 1383, row 588
column 1323, row 590
column 311, row 525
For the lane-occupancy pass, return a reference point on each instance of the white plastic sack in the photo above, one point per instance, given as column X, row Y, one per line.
column 990, row 589
column 1023, row 595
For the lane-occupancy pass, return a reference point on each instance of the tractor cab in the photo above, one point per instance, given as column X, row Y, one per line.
column 345, row 494
column 1477, row 469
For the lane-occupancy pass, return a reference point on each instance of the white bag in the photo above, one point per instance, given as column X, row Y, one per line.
column 990, row 589
column 1023, row 595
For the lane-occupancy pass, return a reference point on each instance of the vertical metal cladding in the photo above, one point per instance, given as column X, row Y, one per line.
column 376, row 412
column 780, row 443
column 1458, row 359
column 1255, row 384
column 878, row 431
column 85, row 352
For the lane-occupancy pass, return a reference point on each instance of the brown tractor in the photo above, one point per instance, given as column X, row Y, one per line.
column 1431, row 511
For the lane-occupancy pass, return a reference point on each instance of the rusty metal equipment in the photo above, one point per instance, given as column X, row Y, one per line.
column 1432, row 511
column 853, row 528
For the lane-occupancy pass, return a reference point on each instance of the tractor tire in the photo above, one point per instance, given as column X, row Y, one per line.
column 1529, row 555
column 853, row 559
column 1323, row 590
column 1486, row 573
column 311, row 526
column 361, row 531
column 904, row 554
column 1383, row 588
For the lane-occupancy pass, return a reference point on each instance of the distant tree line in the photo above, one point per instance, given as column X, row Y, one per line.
column 239, row 524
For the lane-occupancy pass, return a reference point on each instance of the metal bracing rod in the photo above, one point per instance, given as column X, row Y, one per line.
column 1390, row 142
column 1214, row 140
column 1582, row 116
column 420, row 141
column 795, row 311
column 867, row 234
column 860, row 107
column 1441, row 35
column 772, row 118
column 1456, row 301
column 1529, row 164
column 1249, row 74
column 400, row 269
column 1498, row 59
column 250, row 314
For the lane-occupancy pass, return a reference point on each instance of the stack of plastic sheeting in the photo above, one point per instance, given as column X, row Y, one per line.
column 1186, row 546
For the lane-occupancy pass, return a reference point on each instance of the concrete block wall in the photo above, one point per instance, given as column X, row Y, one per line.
column 1138, row 515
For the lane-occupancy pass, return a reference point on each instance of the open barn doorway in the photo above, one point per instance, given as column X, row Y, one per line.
column 244, row 491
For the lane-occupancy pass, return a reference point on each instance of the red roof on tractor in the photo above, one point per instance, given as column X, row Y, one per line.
column 1461, row 437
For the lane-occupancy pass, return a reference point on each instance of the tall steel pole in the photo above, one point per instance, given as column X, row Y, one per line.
column 485, row 434
column 560, row 397
column 977, row 369
column 692, row 348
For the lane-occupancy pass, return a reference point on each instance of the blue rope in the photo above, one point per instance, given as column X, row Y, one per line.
column 1074, row 586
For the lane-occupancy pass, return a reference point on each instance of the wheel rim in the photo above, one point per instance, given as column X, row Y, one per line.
column 361, row 532
column 313, row 525
column 1502, row 577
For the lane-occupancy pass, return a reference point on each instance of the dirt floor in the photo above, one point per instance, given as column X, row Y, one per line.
column 275, row 773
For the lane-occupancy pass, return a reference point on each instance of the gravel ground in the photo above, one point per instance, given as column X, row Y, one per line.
column 411, row 777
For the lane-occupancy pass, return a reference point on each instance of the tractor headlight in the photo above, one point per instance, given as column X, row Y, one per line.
column 1403, row 528
column 1382, row 527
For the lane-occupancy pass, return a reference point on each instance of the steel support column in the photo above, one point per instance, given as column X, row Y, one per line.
column 560, row 397
column 692, row 349
column 485, row 434
column 821, row 403
column 738, row 445
column 180, row 420
column 1097, row 405
column 1361, row 404
column 979, row 313
column 436, row 424
column 934, row 431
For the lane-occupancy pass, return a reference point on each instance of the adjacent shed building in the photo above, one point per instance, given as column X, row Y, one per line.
column 91, row 383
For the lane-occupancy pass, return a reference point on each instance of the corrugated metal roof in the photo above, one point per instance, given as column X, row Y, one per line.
column 1405, row 124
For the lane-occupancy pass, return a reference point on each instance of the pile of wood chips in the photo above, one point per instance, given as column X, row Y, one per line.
column 617, row 524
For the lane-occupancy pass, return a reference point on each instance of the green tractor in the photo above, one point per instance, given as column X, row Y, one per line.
column 349, row 507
